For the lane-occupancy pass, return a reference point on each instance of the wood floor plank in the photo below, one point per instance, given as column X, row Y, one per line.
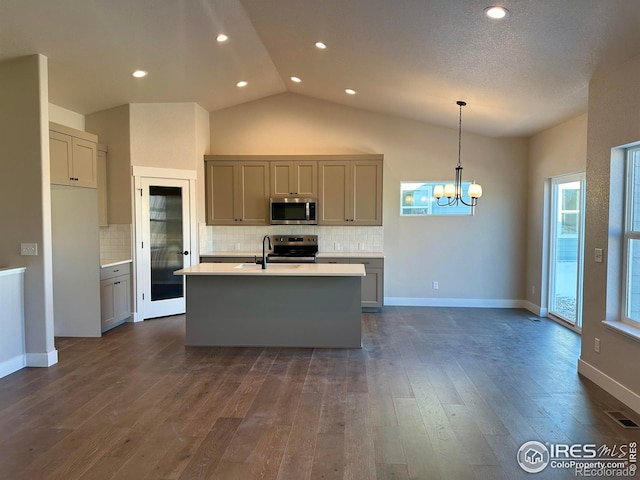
column 434, row 393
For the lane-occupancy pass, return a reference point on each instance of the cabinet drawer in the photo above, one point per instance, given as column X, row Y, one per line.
column 227, row 259
column 115, row 271
column 369, row 262
column 332, row 260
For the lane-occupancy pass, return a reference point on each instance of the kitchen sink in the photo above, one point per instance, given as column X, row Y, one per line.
column 270, row 266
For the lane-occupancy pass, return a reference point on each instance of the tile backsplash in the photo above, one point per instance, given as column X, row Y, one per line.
column 115, row 242
column 330, row 239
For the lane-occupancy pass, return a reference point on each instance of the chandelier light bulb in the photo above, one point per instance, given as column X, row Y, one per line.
column 449, row 190
column 438, row 191
column 475, row 190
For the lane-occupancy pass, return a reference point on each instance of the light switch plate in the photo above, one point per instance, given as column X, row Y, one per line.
column 28, row 249
column 598, row 255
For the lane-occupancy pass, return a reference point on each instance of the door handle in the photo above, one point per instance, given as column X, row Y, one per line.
column 186, row 252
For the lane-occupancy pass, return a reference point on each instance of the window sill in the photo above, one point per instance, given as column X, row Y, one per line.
column 624, row 329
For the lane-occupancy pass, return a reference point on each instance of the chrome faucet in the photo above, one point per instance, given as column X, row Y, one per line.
column 264, row 254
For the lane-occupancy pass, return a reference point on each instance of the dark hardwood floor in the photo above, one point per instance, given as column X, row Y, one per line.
column 435, row 393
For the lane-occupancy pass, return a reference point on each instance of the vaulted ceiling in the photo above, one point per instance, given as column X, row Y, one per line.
column 410, row 58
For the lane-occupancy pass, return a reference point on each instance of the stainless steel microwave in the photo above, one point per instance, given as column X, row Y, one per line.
column 293, row 211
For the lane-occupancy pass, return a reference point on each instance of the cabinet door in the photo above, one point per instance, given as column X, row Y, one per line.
column 305, row 178
column 60, row 151
column 366, row 193
column 85, row 171
column 221, row 193
column 121, row 298
column 102, row 188
column 333, row 195
column 282, row 178
column 372, row 288
column 253, row 194
column 107, row 311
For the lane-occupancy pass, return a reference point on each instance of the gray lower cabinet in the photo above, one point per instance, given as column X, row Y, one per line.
column 372, row 283
column 115, row 295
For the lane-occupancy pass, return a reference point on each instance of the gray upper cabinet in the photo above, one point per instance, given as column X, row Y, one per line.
column 73, row 156
column 295, row 178
column 237, row 192
column 350, row 191
column 348, row 187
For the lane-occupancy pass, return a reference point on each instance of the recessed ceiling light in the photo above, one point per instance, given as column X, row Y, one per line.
column 140, row 73
column 350, row 91
column 496, row 12
column 222, row 38
column 321, row 45
column 296, row 79
column 242, row 84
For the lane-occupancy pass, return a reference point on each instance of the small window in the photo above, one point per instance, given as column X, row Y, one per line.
column 416, row 198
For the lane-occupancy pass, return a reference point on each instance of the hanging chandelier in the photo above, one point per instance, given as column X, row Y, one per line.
column 453, row 191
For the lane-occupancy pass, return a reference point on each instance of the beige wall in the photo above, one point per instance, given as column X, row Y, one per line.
column 614, row 120
column 461, row 253
column 112, row 128
column 555, row 151
column 66, row 117
column 203, row 147
column 25, row 206
column 163, row 135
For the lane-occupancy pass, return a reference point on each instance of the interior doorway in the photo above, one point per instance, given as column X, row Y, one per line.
column 566, row 248
column 165, row 242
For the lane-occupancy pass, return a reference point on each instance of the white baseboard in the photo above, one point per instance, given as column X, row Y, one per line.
column 12, row 365
column 452, row 302
column 42, row 359
column 610, row 385
column 535, row 309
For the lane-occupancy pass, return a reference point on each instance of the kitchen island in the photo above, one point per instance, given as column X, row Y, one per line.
column 284, row 305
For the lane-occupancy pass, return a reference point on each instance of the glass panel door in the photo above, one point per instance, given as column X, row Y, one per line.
column 165, row 246
column 566, row 249
column 166, row 239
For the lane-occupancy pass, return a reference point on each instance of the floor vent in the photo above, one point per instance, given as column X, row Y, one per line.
column 534, row 319
column 622, row 419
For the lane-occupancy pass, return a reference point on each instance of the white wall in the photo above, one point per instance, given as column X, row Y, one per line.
column 614, row 120
column 477, row 260
column 12, row 345
column 25, row 201
column 555, row 151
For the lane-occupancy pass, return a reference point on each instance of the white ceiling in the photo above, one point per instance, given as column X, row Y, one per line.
column 411, row 58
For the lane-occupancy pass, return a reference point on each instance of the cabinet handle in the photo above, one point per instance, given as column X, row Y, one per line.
column 116, row 283
column 116, row 271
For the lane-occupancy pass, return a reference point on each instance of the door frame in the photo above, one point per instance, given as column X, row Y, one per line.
column 150, row 173
column 550, row 273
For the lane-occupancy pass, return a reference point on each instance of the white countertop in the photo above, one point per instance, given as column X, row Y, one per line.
column 320, row 254
column 4, row 271
column 112, row 263
column 276, row 269
column 350, row 255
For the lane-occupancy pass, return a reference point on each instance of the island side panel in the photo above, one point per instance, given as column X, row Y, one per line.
column 288, row 311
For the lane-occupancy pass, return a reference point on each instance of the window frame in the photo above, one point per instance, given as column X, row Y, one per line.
column 632, row 155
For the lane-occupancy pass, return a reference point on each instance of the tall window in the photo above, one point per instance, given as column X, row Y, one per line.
column 632, row 239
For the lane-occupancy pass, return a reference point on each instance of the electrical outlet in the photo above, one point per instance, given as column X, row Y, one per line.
column 28, row 249
column 237, row 246
column 596, row 345
column 435, row 285
column 336, row 246
column 533, row 289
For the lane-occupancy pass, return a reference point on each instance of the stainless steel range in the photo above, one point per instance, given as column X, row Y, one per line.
column 294, row 248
